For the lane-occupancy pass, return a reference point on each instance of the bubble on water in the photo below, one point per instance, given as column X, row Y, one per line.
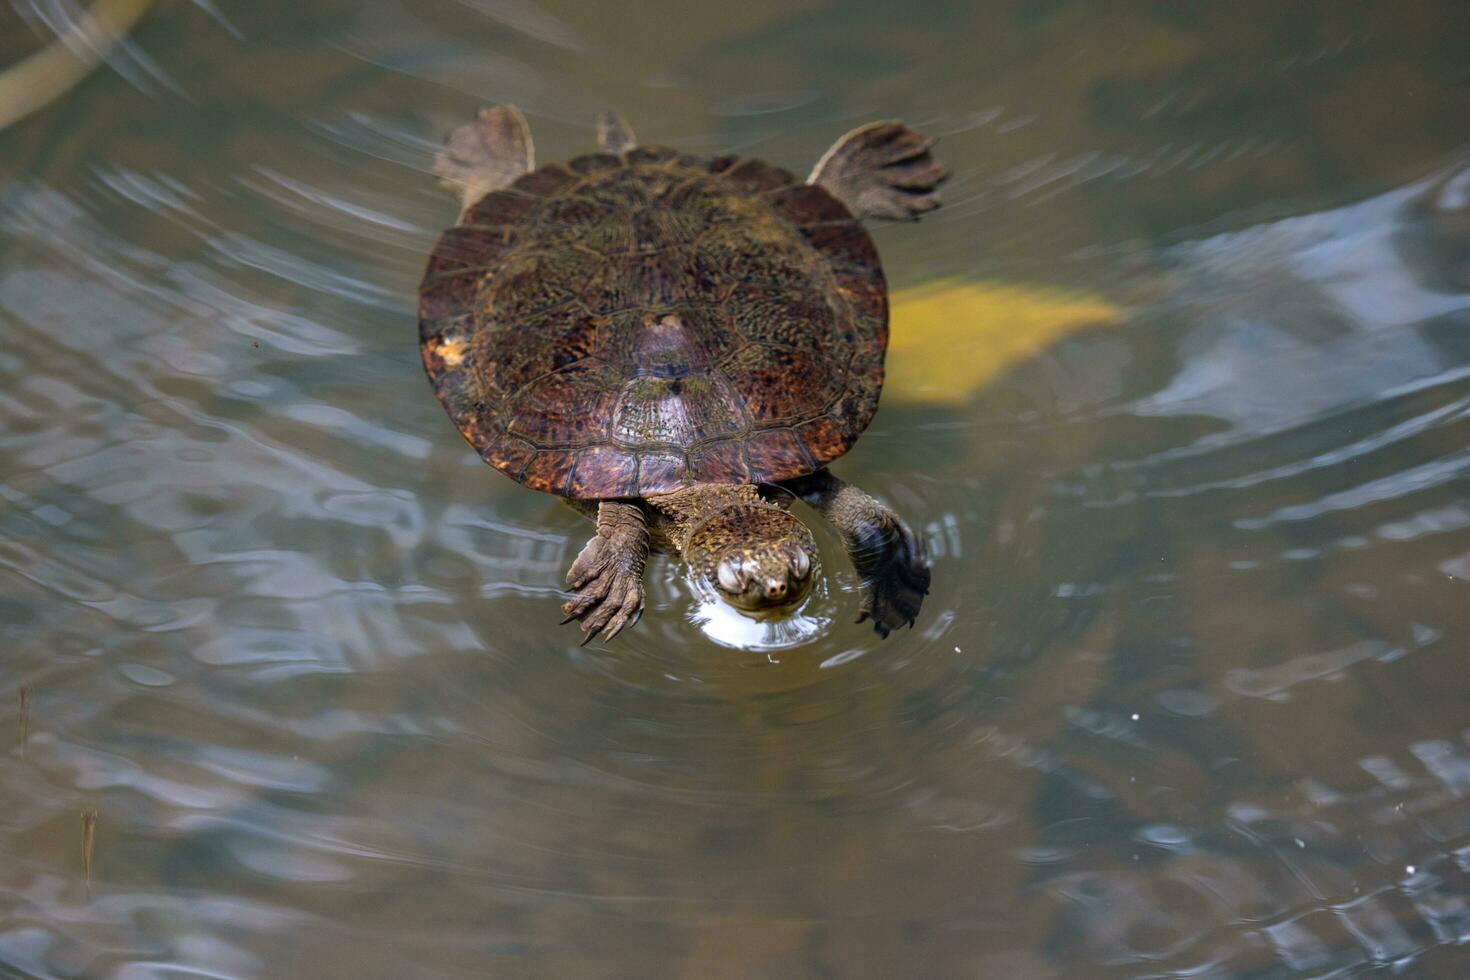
column 1164, row 835
column 1189, row 703
column 146, row 676
column 1045, row 855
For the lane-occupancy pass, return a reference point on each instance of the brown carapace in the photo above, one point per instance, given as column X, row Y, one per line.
column 659, row 337
column 630, row 324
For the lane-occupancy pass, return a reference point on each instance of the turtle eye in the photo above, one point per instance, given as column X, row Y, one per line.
column 802, row 563
column 728, row 575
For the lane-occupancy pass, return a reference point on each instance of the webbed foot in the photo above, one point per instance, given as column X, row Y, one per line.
column 894, row 569
column 881, row 170
column 886, row 552
column 485, row 155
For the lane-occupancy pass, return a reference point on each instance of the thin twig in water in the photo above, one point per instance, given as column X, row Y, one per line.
column 25, row 717
column 89, row 837
column 49, row 73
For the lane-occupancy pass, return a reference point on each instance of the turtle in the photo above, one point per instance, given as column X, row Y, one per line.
column 677, row 345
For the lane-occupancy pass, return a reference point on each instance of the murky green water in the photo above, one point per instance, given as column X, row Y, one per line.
column 1189, row 696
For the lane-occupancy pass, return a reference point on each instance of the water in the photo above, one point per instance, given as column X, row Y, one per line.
column 1179, row 397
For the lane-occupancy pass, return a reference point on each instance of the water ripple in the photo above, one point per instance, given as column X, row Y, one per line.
column 1186, row 698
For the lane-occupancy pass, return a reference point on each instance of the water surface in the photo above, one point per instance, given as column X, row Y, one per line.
column 1180, row 397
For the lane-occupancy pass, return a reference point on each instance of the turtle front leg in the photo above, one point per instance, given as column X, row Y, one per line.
column 607, row 577
column 885, row 551
column 485, row 155
column 881, row 170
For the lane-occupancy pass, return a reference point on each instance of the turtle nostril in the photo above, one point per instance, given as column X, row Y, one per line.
column 775, row 590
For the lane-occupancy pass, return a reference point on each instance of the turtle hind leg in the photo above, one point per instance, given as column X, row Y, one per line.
column 881, row 170
column 614, row 135
column 485, row 155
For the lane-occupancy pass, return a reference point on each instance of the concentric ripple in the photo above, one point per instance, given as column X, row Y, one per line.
column 1187, row 698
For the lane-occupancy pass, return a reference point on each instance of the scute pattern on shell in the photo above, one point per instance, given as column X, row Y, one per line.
column 621, row 326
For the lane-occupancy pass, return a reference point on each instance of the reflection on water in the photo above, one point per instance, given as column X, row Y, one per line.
column 792, row 630
column 1178, row 396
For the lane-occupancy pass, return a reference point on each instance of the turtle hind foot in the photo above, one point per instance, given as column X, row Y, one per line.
column 881, row 170
column 485, row 155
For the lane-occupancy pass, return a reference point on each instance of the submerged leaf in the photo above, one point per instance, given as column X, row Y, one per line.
column 950, row 338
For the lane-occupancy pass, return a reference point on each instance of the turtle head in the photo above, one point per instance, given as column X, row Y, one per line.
column 757, row 556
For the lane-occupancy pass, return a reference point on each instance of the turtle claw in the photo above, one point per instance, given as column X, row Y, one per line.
column 609, row 603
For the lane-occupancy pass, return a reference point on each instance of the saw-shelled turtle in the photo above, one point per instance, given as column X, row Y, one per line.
column 662, row 338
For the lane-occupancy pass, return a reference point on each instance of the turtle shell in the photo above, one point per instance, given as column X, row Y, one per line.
column 626, row 325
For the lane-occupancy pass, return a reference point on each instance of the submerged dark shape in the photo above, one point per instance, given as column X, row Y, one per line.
column 659, row 338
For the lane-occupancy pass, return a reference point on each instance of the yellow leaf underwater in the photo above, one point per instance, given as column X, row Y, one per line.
column 950, row 338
